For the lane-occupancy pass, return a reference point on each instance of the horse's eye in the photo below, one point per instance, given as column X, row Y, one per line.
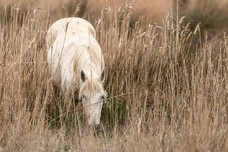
column 102, row 97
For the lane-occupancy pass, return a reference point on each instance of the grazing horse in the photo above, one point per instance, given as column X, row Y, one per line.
column 76, row 64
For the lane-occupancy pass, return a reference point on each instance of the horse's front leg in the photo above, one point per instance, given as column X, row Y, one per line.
column 70, row 101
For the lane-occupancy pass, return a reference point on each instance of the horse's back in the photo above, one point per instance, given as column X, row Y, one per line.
column 68, row 26
column 66, row 47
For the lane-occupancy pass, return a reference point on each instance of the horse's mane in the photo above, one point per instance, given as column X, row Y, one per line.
column 81, row 60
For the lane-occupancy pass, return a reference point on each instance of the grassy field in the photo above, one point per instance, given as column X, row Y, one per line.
column 167, row 86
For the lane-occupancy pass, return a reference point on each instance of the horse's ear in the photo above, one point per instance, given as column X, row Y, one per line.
column 83, row 76
column 102, row 76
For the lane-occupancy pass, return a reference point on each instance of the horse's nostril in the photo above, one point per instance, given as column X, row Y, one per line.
column 97, row 130
column 97, row 127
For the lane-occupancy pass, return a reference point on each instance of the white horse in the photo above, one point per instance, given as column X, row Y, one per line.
column 76, row 64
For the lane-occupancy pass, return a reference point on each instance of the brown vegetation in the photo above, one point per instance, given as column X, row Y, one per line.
column 167, row 90
column 146, row 10
column 45, row 9
column 211, row 14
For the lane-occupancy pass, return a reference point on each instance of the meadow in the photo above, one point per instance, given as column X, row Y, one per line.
column 167, row 83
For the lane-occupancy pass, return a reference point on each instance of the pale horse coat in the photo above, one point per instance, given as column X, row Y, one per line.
column 76, row 64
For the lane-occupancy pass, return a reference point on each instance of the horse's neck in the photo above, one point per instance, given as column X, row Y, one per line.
column 90, row 63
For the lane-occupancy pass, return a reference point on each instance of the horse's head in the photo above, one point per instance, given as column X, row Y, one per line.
column 92, row 95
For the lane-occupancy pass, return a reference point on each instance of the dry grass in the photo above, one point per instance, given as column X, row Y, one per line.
column 167, row 87
column 146, row 10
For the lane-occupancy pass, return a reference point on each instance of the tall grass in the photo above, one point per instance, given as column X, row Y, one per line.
column 167, row 89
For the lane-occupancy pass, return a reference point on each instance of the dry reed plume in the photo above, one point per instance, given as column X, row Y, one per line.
column 167, row 88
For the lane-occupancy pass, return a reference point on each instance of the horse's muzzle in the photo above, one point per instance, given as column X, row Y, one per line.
column 97, row 127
